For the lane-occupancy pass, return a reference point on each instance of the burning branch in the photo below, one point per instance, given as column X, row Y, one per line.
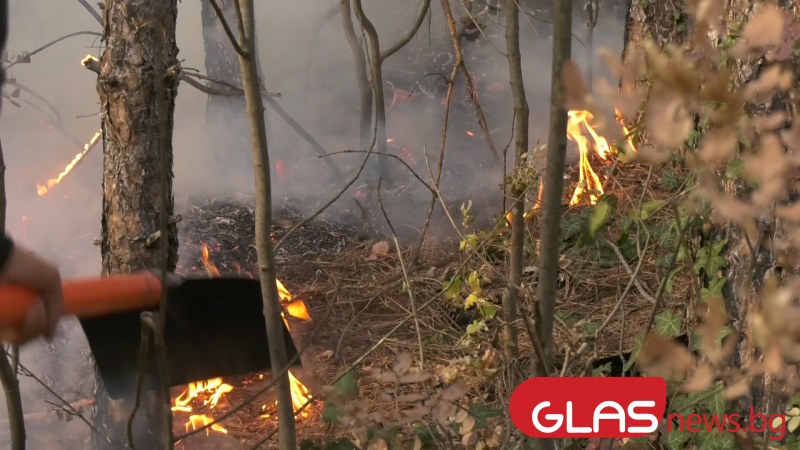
column 44, row 189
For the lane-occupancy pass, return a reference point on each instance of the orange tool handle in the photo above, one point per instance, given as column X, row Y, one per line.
column 85, row 298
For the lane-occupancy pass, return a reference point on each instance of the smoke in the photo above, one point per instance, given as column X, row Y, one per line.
column 307, row 60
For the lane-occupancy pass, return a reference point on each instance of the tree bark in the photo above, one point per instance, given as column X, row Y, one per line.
column 263, row 220
column 226, row 117
column 553, row 179
column 362, row 76
column 8, row 373
column 137, row 86
column 516, row 190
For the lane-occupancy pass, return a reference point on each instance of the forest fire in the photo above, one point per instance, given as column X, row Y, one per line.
column 43, row 189
column 211, row 391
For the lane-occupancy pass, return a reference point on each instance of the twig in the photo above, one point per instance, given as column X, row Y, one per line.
column 16, row 421
column 407, row 281
column 25, row 57
column 227, row 28
column 461, row 65
column 91, row 11
column 388, row 155
column 67, row 405
column 411, row 33
column 639, row 287
column 142, row 368
column 442, row 145
column 543, row 371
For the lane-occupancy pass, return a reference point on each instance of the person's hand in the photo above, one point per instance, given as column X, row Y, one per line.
column 27, row 269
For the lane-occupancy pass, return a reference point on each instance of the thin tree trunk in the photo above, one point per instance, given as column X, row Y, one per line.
column 362, row 76
column 8, row 374
column 226, row 117
column 553, row 179
column 137, row 87
column 376, row 77
column 516, row 190
column 263, row 219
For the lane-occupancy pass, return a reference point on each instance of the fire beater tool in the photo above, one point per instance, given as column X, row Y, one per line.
column 214, row 326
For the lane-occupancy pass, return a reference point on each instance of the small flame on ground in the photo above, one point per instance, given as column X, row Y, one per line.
column 300, row 394
column 42, row 189
column 628, row 138
column 390, row 140
column 213, row 389
column 207, row 264
column 588, row 182
column 470, row 133
column 200, row 420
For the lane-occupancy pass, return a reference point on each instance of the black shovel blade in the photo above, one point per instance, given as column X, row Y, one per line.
column 214, row 328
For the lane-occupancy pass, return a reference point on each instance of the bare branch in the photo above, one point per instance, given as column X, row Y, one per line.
column 25, row 57
column 92, row 11
column 227, row 28
column 411, row 33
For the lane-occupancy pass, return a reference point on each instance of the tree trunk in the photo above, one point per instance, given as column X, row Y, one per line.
column 8, row 373
column 516, row 190
column 263, row 220
column 137, row 86
column 226, row 117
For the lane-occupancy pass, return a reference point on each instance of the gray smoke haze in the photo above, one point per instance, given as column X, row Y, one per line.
column 316, row 80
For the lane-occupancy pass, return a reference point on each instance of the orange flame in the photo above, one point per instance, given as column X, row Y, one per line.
column 210, row 268
column 215, row 388
column 200, row 420
column 628, row 138
column 300, row 394
column 44, row 189
column 588, row 182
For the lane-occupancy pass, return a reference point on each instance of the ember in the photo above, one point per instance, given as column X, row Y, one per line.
column 44, row 189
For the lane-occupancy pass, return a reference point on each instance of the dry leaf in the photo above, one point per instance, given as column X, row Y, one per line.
column 378, row 444
column 454, row 392
column 718, row 147
column 789, row 212
column 469, row 439
column 467, row 425
column 326, row 355
column 739, row 389
column 770, row 122
column 417, row 412
column 414, row 377
column 772, row 79
column 668, row 121
column 700, row 380
column 765, row 28
column 378, row 249
column 402, row 362
column 665, row 358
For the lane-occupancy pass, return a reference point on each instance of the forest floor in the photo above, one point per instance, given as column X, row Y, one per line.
column 397, row 322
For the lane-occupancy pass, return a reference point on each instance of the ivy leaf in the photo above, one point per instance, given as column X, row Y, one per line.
column 347, row 386
column 716, row 404
column 677, row 440
column 716, row 441
column 650, row 208
column 637, row 348
column 600, row 216
column 482, row 413
column 714, row 288
column 668, row 324
column 793, row 423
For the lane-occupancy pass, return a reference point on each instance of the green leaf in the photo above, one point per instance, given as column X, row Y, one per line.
column 330, row 413
column 600, row 216
column 716, row 404
column 650, row 208
column 710, row 259
column 476, row 326
column 677, row 440
column 714, row 288
column 716, row 441
column 793, row 423
column 637, row 348
column 347, row 386
column 453, row 287
column 474, row 281
column 668, row 324
column 482, row 413
column 472, row 300
column 470, row 242
column 489, row 310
